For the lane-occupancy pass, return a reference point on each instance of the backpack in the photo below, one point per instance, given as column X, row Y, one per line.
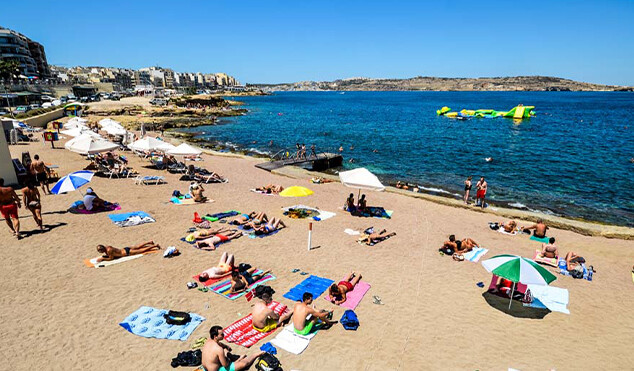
column 349, row 320
column 268, row 362
column 243, row 267
column 177, row 318
column 176, row 193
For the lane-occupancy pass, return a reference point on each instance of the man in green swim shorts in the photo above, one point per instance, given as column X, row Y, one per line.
column 215, row 355
column 306, row 317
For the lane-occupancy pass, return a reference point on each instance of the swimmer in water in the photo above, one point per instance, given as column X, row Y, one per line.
column 341, row 149
column 351, row 160
column 489, row 159
column 375, row 150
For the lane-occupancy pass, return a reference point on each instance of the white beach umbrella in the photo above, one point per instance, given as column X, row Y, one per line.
column 165, row 147
column 114, row 130
column 79, row 130
column 361, row 178
column 108, row 122
column 184, row 150
column 89, row 146
column 146, row 144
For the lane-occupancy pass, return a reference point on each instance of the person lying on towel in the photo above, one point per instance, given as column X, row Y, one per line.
column 264, row 318
column 270, row 188
column 211, row 242
column 216, row 355
column 203, row 234
column 270, row 226
column 224, row 267
column 509, row 227
column 539, row 229
column 376, row 237
column 454, row 246
column 112, row 253
column 307, row 318
column 549, row 250
column 339, row 290
column 241, row 280
column 246, row 218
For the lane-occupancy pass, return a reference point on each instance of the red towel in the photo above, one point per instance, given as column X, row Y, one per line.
column 210, row 281
column 242, row 332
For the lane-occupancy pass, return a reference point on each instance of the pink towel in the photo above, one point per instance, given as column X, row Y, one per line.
column 353, row 298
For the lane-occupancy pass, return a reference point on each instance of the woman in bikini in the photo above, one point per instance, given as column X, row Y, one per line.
column 349, row 205
column 549, row 250
column 241, row 281
column 224, row 267
column 256, row 221
column 467, row 189
column 31, row 199
column 245, row 218
column 269, row 227
column 200, row 235
column 458, row 247
column 211, row 242
column 339, row 290
column 112, row 253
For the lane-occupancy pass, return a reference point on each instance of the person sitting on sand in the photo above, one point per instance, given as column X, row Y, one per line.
column 264, row 318
column 270, row 226
column 573, row 261
column 539, row 229
column 549, row 250
column 197, row 192
column 362, row 203
column 112, row 253
column 92, row 202
column 246, row 218
column 349, row 205
column 224, row 267
column 211, row 242
column 205, row 233
column 458, row 247
column 216, row 355
column 240, row 281
column 339, row 290
column 306, row 316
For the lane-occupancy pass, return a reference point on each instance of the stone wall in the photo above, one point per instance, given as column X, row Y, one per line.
column 40, row 121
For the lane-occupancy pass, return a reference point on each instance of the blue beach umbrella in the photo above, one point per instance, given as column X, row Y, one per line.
column 72, row 181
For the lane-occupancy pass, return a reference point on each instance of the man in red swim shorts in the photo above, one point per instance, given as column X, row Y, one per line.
column 482, row 191
column 338, row 291
column 9, row 204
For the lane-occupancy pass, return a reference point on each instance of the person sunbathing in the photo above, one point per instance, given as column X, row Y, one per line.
column 339, row 290
column 256, row 221
column 211, row 242
column 197, row 193
column 245, row 218
column 112, row 253
column 264, row 318
column 203, row 234
column 306, row 316
column 458, row 247
column 270, row 226
column 539, row 229
column 549, row 250
column 240, row 281
column 216, row 355
column 573, row 261
column 270, row 188
column 224, row 267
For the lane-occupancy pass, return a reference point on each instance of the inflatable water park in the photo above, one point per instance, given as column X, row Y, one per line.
column 518, row 112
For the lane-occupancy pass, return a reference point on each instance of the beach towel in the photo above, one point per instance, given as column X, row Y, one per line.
column 475, row 254
column 291, row 341
column 313, row 284
column 149, row 322
column 92, row 263
column 505, row 292
column 552, row 298
column 251, row 234
column 263, row 192
column 241, row 332
column 563, row 269
column 210, row 281
column 218, row 216
column 188, row 201
column 544, row 260
column 501, row 230
column 224, row 287
column 374, row 211
column 73, row 209
column 353, row 298
column 541, row 239
column 131, row 219
column 303, row 211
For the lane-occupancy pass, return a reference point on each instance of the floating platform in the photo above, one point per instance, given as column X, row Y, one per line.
column 321, row 162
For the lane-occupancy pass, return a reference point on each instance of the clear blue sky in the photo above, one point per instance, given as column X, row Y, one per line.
column 286, row 41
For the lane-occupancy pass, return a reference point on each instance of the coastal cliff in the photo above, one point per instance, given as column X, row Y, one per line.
column 517, row 83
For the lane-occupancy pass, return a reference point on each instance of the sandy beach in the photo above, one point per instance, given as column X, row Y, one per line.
column 59, row 314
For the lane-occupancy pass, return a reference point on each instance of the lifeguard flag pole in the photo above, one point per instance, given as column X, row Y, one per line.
column 310, row 235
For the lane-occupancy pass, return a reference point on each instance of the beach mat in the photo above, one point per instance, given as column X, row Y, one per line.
column 223, row 287
column 374, row 212
column 241, row 332
column 543, row 260
column 322, row 214
column 188, row 201
column 131, row 219
column 541, row 239
column 475, row 254
column 150, row 323
column 262, row 192
column 74, row 210
column 92, row 263
column 291, row 341
column 353, row 298
column 514, row 233
column 210, row 281
column 218, row 216
column 313, row 284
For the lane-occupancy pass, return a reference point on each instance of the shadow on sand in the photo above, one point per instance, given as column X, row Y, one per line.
column 47, row 228
column 518, row 310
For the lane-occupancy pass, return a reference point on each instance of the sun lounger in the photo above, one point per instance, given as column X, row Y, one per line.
column 291, row 341
column 241, row 332
column 224, row 287
column 353, row 298
column 313, row 284
column 149, row 180
column 544, row 260
column 150, row 323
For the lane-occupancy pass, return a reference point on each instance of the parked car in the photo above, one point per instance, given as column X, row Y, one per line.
column 95, row 98
column 21, row 109
column 63, row 99
column 115, row 97
column 47, row 98
column 47, row 105
column 35, row 106
column 4, row 111
column 158, row 102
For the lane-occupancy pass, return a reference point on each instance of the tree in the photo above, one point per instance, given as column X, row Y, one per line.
column 9, row 69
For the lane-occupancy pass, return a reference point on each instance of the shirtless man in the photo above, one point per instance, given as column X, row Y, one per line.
column 264, row 318
column 112, row 253
column 210, row 243
column 459, row 247
column 573, row 261
column 539, row 229
column 338, row 290
column 549, row 250
column 9, row 204
column 301, row 324
column 31, row 199
column 40, row 173
column 481, row 192
column 241, row 281
column 215, row 355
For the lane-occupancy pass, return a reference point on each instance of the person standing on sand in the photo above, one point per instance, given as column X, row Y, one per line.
column 40, row 173
column 481, row 187
column 31, row 199
column 9, row 204
column 467, row 189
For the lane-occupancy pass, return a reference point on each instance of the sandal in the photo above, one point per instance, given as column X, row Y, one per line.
column 303, row 273
column 295, row 270
column 377, row 300
column 458, row 257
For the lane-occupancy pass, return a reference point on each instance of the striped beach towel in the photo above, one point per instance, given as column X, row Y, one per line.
column 224, row 287
column 242, row 332
column 475, row 254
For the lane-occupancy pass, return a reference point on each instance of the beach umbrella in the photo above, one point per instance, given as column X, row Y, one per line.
column 165, row 147
column 296, row 191
column 145, row 144
column 518, row 269
column 114, row 130
column 361, row 178
column 72, row 181
column 184, row 149
column 79, row 130
column 89, row 146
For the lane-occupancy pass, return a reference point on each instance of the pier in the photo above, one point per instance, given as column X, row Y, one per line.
column 320, row 162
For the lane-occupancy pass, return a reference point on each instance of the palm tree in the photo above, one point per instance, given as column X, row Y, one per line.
column 9, row 70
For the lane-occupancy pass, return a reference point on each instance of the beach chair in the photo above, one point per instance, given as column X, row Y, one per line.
column 105, row 171
column 144, row 180
column 158, row 163
column 177, row 168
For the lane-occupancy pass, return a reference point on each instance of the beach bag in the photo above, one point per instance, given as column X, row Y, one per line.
column 176, row 193
column 268, row 362
column 243, row 267
column 177, row 318
column 577, row 272
column 349, row 320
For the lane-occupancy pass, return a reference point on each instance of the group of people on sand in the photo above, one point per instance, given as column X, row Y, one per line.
column 301, row 151
column 351, row 207
column 457, row 248
column 481, row 191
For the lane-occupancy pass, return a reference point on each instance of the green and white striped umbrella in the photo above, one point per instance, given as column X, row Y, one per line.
column 518, row 269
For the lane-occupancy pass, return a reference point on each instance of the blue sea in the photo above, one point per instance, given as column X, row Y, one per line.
column 572, row 159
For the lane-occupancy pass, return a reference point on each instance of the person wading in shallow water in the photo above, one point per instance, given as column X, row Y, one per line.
column 481, row 192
